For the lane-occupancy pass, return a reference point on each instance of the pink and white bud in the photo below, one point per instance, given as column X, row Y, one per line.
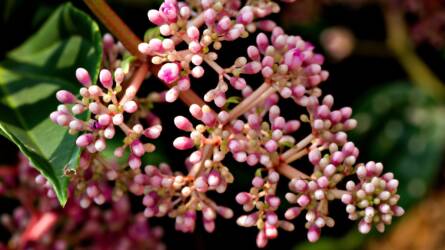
column 106, row 78
column 65, row 97
column 197, row 72
column 169, row 72
column 104, row 120
column 134, row 162
column 196, row 111
column 83, row 77
column 84, row 140
column 183, row 143
column 137, row 148
column 118, row 119
column 130, row 107
column 155, row 17
column 172, row 94
column 183, row 123
column 313, row 234
column 252, row 67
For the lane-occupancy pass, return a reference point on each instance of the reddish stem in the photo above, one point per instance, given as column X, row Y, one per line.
column 116, row 26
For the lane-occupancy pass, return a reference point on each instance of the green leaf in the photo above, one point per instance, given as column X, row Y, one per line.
column 404, row 128
column 152, row 33
column 29, row 79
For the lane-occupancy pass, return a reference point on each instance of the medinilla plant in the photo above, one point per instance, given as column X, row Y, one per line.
column 105, row 124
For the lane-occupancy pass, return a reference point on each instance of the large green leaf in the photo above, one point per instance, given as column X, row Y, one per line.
column 29, row 79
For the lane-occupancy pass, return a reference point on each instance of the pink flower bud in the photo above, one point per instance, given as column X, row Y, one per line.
column 214, row 178
column 119, row 75
column 253, row 53
column 193, row 33
column 183, row 143
column 95, row 91
column 118, row 119
column 105, row 78
column 169, row 11
column 292, row 59
column 134, row 162
column 261, row 239
column 104, row 120
column 209, row 16
column 183, row 123
column 364, row 227
column 262, row 42
column 83, row 77
column 243, row 198
column 292, row 213
column 109, row 132
column 313, row 234
column 238, row 83
column 224, row 23
column 271, row 146
column 246, row 15
column 65, row 97
column 130, row 106
column 153, row 132
column 195, row 47
column 196, row 111
column 169, row 72
column 100, row 145
column 144, row 48
column 252, row 67
column 155, row 17
column 137, row 148
column 197, row 71
column 172, row 94
column 84, row 140
column 76, row 125
column 257, row 182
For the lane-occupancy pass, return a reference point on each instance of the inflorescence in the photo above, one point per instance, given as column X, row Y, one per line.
column 254, row 132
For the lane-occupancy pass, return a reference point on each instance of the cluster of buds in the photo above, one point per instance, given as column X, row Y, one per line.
column 107, row 111
column 40, row 223
column 254, row 132
column 168, row 193
column 222, row 21
column 312, row 193
column 374, row 199
column 262, row 197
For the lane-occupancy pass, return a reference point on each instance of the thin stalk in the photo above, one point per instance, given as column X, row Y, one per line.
column 302, row 144
column 249, row 102
column 291, row 172
column 399, row 42
column 135, row 84
column 116, row 26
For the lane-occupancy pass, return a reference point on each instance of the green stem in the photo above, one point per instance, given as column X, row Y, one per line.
column 398, row 41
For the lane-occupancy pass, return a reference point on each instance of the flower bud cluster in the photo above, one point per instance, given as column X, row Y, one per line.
column 168, row 193
column 262, row 197
column 223, row 20
column 373, row 200
column 254, row 132
column 107, row 113
column 40, row 223
column 330, row 125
